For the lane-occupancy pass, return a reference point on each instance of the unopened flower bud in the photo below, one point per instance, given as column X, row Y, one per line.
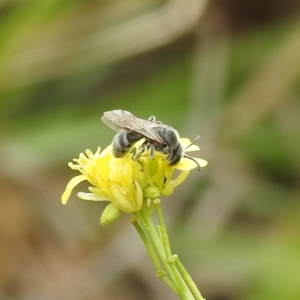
column 110, row 214
column 151, row 192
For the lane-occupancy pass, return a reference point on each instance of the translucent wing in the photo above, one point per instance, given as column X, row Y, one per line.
column 121, row 119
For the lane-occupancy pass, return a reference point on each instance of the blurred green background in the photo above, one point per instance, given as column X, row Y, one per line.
column 227, row 70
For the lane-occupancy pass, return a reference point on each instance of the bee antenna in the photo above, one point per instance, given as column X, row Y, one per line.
column 193, row 142
column 193, row 159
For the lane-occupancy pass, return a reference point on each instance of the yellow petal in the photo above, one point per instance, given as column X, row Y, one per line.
column 168, row 190
column 90, row 197
column 139, row 196
column 192, row 148
column 73, row 182
column 186, row 143
column 119, row 200
column 160, row 174
column 187, row 164
column 106, row 151
column 181, row 178
column 98, row 192
column 201, row 162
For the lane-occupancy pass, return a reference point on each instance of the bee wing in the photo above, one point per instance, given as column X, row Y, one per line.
column 121, row 119
column 114, row 119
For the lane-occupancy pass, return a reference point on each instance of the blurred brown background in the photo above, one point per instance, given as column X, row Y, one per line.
column 227, row 70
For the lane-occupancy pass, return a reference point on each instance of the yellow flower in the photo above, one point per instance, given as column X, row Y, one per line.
column 125, row 182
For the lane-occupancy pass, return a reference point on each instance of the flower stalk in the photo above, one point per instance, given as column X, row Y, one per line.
column 167, row 265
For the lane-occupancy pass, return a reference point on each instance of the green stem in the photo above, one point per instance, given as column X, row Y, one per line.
column 152, row 253
column 163, row 229
column 167, row 265
column 188, row 279
column 183, row 287
column 152, row 235
column 148, row 245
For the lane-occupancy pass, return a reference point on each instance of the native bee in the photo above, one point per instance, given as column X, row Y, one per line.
column 158, row 136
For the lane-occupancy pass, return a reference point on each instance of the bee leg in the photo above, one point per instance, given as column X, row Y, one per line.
column 151, row 151
column 153, row 119
column 136, row 154
column 133, row 152
column 135, row 157
column 142, row 167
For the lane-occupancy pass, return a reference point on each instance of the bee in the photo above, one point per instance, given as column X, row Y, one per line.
column 158, row 136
